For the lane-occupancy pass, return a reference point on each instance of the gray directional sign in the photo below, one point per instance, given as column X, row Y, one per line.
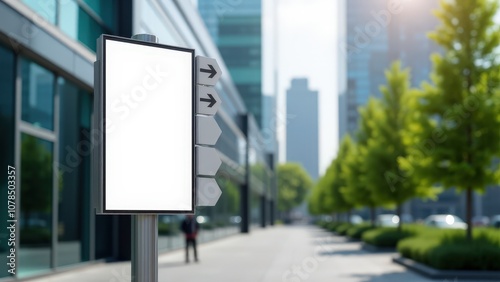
column 208, row 191
column 207, row 161
column 207, row 130
column 207, row 71
column 207, row 100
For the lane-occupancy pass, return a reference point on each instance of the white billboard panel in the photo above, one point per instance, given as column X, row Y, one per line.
column 148, row 140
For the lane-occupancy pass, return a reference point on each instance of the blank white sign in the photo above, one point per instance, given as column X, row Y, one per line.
column 148, row 138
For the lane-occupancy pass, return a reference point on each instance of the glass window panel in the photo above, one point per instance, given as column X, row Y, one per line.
column 88, row 30
column 255, row 209
column 45, row 8
column 7, row 119
column 37, row 95
column 68, row 18
column 74, row 173
column 106, row 10
column 36, row 205
column 227, row 209
column 169, row 235
column 104, row 238
column 76, row 23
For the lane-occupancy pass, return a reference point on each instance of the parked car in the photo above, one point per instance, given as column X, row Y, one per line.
column 407, row 218
column 445, row 221
column 387, row 220
column 495, row 221
column 480, row 221
column 356, row 219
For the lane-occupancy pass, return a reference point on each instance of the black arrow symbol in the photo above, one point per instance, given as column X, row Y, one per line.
column 211, row 71
column 211, row 100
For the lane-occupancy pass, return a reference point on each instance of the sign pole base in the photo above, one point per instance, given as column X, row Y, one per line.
column 145, row 248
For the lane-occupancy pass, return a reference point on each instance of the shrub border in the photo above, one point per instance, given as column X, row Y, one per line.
column 446, row 274
column 376, row 249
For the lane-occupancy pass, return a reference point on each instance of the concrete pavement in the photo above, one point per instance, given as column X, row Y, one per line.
column 276, row 254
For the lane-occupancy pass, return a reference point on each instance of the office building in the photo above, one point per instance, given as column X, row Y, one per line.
column 236, row 27
column 302, row 134
column 373, row 34
column 47, row 51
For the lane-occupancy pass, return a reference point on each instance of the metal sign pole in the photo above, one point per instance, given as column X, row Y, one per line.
column 145, row 230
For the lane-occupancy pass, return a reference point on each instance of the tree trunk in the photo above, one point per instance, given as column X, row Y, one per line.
column 349, row 216
column 468, row 213
column 398, row 213
column 468, row 205
column 372, row 216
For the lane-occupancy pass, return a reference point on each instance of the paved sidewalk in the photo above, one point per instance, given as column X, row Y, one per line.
column 282, row 253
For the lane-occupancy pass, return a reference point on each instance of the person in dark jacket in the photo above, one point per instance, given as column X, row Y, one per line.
column 190, row 228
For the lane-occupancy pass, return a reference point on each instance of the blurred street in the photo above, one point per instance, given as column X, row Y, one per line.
column 282, row 253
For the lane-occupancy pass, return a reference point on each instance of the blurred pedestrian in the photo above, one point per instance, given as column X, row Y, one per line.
column 190, row 228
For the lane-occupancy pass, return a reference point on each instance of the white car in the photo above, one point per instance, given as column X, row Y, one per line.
column 356, row 219
column 448, row 221
column 495, row 221
column 387, row 220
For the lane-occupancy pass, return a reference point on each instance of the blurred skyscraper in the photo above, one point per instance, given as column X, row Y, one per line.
column 236, row 27
column 373, row 34
column 302, row 135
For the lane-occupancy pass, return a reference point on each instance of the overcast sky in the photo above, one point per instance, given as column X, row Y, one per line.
column 306, row 34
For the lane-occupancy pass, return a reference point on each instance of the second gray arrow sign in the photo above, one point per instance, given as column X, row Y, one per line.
column 207, row 130
column 207, row 100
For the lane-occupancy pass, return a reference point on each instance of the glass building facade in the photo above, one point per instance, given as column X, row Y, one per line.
column 373, row 35
column 46, row 109
column 237, row 30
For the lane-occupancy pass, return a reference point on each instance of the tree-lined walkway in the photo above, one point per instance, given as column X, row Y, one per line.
column 283, row 253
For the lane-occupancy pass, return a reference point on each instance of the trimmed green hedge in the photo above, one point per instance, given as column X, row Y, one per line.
column 342, row 229
column 323, row 224
column 386, row 237
column 168, row 228
column 450, row 250
column 332, row 226
column 356, row 231
column 36, row 236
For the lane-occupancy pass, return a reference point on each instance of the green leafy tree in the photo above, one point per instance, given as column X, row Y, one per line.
column 358, row 189
column 36, row 177
column 335, row 180
column 319, row 201
column 455, row 124
column 391, row 183
column 294, row 183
